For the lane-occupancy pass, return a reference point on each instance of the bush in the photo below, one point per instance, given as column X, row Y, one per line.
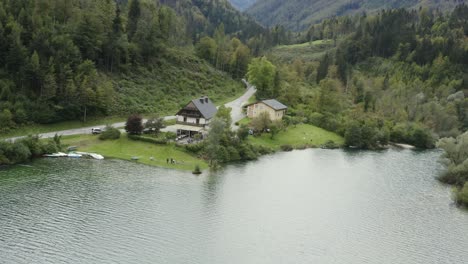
column 330, row 145
column 462, row 195
column 197, row 169
column 110, row 133
column 414, row 134
column 12, row 153
column 157, row 141
column 246, row 151
column 170, row 135
column 195, row 148
column 287, row 147
column 134, row 125
column 50, row 147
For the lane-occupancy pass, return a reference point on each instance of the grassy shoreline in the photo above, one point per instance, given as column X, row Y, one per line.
column 147, row 153
column 299, row 137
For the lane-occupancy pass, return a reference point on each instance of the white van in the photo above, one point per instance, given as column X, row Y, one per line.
column 96, row 130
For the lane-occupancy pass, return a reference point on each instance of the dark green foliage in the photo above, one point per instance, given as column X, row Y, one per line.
column 197, row 169
column 462, row 195
column 322, row 70
column 157, row 141
column 110, row 132
column 134, row 125
column 154, row 125
column 243, row 132
column 456, row 160
column 287, row 148
column 414, row 134
column 69, row 61
column 195, row 148
column 365, row 134
column 27, row 148
column 298, row 14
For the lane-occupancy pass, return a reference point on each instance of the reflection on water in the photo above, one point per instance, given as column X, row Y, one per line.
column 314, row 206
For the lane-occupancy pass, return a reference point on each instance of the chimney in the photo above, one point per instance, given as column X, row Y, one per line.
column 206, row 99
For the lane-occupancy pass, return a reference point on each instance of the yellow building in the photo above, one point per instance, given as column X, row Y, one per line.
column 276, row 109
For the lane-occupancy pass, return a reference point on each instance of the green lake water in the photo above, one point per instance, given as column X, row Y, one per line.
column 313, row 206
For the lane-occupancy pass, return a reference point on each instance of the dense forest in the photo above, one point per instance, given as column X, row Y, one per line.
column 399, row 75
column 242, row 4
column 299, row 14
column 66, row 60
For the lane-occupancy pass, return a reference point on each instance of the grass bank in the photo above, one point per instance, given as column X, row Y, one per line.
column 125, row 149
column 299, row 136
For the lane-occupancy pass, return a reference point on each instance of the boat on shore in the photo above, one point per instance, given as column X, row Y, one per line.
column 75, row 155
column 91, row 155
column 56, row 155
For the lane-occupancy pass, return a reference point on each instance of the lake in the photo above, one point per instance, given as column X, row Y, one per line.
column 312, row 206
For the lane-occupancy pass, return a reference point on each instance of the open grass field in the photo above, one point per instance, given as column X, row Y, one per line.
column 308, row 51
column 125, row 149
column 298, row 136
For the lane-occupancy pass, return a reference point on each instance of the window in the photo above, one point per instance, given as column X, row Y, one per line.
column 185, row 119
column 198, row 121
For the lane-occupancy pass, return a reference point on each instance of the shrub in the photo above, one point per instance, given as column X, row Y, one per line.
column 233, row 153
column 462, row 195
column 247, row 152
column 287, row 147
column 197, row 169
column 195, row 148
column 157, row 141
column 110, row 133
column 50, row 147
column 330, row 145
column 170, row 135
column 134, row 125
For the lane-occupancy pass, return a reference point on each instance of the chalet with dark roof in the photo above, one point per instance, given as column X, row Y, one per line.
column 195, row 116
column 275, row 109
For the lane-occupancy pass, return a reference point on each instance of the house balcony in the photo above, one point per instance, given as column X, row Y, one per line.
column 190, row 124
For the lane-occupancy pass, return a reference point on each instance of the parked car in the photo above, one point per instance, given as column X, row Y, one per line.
column 95, row 131
column 149, row 131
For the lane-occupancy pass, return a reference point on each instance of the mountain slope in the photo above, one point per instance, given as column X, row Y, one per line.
column 203, row 16
column 299, row 14
column 242, row 4
column 67, row 60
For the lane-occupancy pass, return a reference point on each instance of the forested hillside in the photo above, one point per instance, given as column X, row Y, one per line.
column 399, row 75
column 242, row 4
column 203, row 16
column 66, row 60
column 299, row 14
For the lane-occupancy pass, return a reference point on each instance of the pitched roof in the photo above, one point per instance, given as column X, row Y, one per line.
column 273, row 104
column 204, row 105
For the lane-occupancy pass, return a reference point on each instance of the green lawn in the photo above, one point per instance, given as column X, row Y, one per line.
column 298, row 136
column 245, row 121
column 125, row 149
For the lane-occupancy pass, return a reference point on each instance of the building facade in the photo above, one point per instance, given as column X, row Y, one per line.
column 275, row 109
column 195, row 116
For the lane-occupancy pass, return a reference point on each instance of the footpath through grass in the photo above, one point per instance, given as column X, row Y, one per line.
column 125, row 149
column 299, row 136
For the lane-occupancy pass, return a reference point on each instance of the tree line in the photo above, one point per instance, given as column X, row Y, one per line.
column 399, row 75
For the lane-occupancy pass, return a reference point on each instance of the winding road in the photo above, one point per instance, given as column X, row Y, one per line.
column 236, row 114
